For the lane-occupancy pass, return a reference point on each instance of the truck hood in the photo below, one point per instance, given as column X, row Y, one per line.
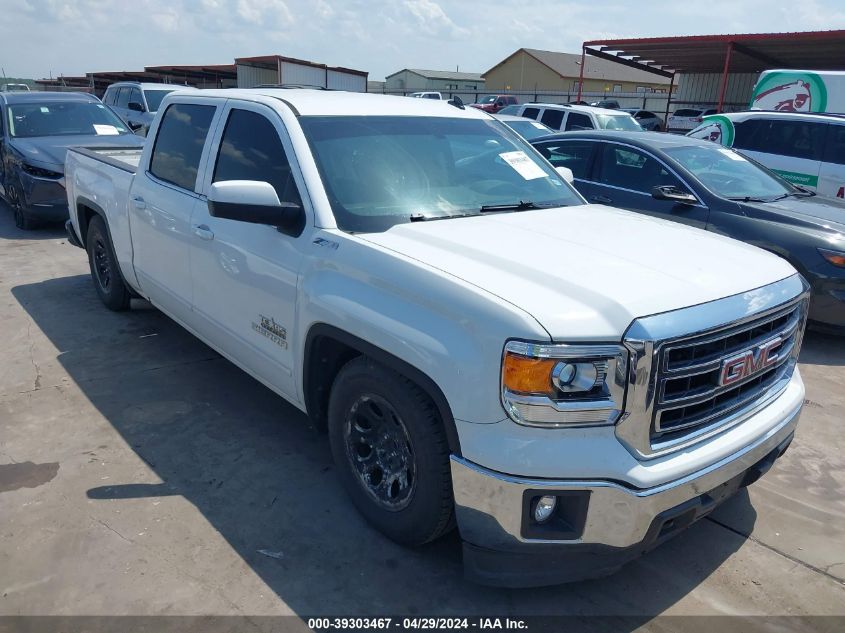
column 49, row 151
column 586, row 272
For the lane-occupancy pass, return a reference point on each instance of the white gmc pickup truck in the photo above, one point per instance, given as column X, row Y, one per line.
column 568, row 383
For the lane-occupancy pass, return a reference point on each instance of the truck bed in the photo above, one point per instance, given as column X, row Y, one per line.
column 126, row 159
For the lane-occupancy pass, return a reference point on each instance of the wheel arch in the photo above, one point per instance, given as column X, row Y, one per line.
column 328, row 348
column 85, row 210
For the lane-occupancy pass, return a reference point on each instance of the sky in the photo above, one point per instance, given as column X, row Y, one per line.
column 43, row 37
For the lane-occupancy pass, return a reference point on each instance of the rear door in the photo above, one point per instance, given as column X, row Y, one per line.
column 624, row 176
column 832, row 169
column 791, row 147
column 163, row 197
column 245, row 275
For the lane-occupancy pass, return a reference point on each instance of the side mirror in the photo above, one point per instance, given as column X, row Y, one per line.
column 669, row 192
column 256, row 202
column 566, row 173
column 134, row 105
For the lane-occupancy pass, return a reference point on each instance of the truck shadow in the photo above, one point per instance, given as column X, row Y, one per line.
column 250, row 464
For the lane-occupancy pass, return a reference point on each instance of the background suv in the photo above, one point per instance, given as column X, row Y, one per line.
column 565, row 117
column 137, row 103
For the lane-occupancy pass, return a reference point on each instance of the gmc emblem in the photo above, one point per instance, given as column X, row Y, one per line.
column 749, row 362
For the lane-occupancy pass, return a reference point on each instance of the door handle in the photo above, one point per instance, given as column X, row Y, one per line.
column 203, row 232
column 601, row 199
column 139, row 203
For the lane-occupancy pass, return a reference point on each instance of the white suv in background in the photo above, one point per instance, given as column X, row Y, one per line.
column 565, row 117
column 137, row 103
column 686, row 119
column 426, row 95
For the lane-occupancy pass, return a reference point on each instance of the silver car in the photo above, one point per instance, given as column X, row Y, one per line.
column 648, row 120
column 137, row 103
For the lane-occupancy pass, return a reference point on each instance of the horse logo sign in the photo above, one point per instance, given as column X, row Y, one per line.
column 790, row 92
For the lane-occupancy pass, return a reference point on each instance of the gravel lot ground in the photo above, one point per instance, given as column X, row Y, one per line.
column 141, row 473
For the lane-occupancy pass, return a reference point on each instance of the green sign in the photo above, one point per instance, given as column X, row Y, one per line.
column 797, row 178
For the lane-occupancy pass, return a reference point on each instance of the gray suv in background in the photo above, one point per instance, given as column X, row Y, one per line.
column 137, row 103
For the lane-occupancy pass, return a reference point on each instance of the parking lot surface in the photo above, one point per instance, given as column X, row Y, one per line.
column 141, row 473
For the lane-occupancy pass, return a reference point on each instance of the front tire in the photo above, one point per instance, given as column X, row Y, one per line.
column 22, row 221
column 104, row 269
column 390, row 448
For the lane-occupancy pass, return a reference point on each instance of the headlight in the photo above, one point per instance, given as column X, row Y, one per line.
column 38, row 172
column 563, row 385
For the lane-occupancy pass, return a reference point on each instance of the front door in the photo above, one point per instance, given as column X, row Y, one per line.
column 161, row 202
column 624, row 176
column 245, row 275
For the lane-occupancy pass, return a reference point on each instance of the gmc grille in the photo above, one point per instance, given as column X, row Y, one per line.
column 689, row 394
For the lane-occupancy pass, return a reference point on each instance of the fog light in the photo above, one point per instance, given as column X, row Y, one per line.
column 544, row 508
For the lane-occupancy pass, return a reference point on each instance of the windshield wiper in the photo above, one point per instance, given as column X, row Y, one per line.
column 522, row 205
column 753, row 199
column 419, row 217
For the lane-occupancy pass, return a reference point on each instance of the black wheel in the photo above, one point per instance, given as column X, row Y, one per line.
column 104, row 270
column 22, row 221
column 390, row 448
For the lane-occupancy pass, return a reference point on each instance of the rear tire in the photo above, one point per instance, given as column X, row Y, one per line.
column 390, row 448
column 104, row 269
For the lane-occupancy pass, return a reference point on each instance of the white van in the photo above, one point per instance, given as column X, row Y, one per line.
column 805, row 149
column 800, row 91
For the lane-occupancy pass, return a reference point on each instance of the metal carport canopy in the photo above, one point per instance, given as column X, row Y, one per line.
column 739, row 53
column 753, row 52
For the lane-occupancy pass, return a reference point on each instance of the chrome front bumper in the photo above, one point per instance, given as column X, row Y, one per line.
column 490, row 505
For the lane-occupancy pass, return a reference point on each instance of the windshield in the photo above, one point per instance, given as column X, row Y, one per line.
column 63, row 118
column 154, row 98
column 529, row 129
column 618, row 122
column 488, row 99
column 382, row 170
column 727, row 173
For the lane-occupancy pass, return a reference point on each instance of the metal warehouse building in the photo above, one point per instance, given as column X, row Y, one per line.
column 279, row 70
column 719, row 70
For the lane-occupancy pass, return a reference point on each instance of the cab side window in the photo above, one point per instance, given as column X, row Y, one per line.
column 123, row 98
column 179, row 143
column 135, row 97
column 252, row 150
column 573, row 154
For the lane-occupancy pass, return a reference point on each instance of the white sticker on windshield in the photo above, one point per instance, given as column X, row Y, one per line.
column 539, row 126
column 731, row 155
column 105, row 130
column 523, row 165
column 45, row 109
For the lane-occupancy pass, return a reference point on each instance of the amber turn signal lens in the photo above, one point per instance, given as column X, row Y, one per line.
column 527, row 375
column 835, row 258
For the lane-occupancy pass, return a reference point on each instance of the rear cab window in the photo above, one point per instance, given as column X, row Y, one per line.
column 179, row 143
column 531, row 113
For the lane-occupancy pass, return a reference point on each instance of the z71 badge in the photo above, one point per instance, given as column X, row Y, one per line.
column 268, row 328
